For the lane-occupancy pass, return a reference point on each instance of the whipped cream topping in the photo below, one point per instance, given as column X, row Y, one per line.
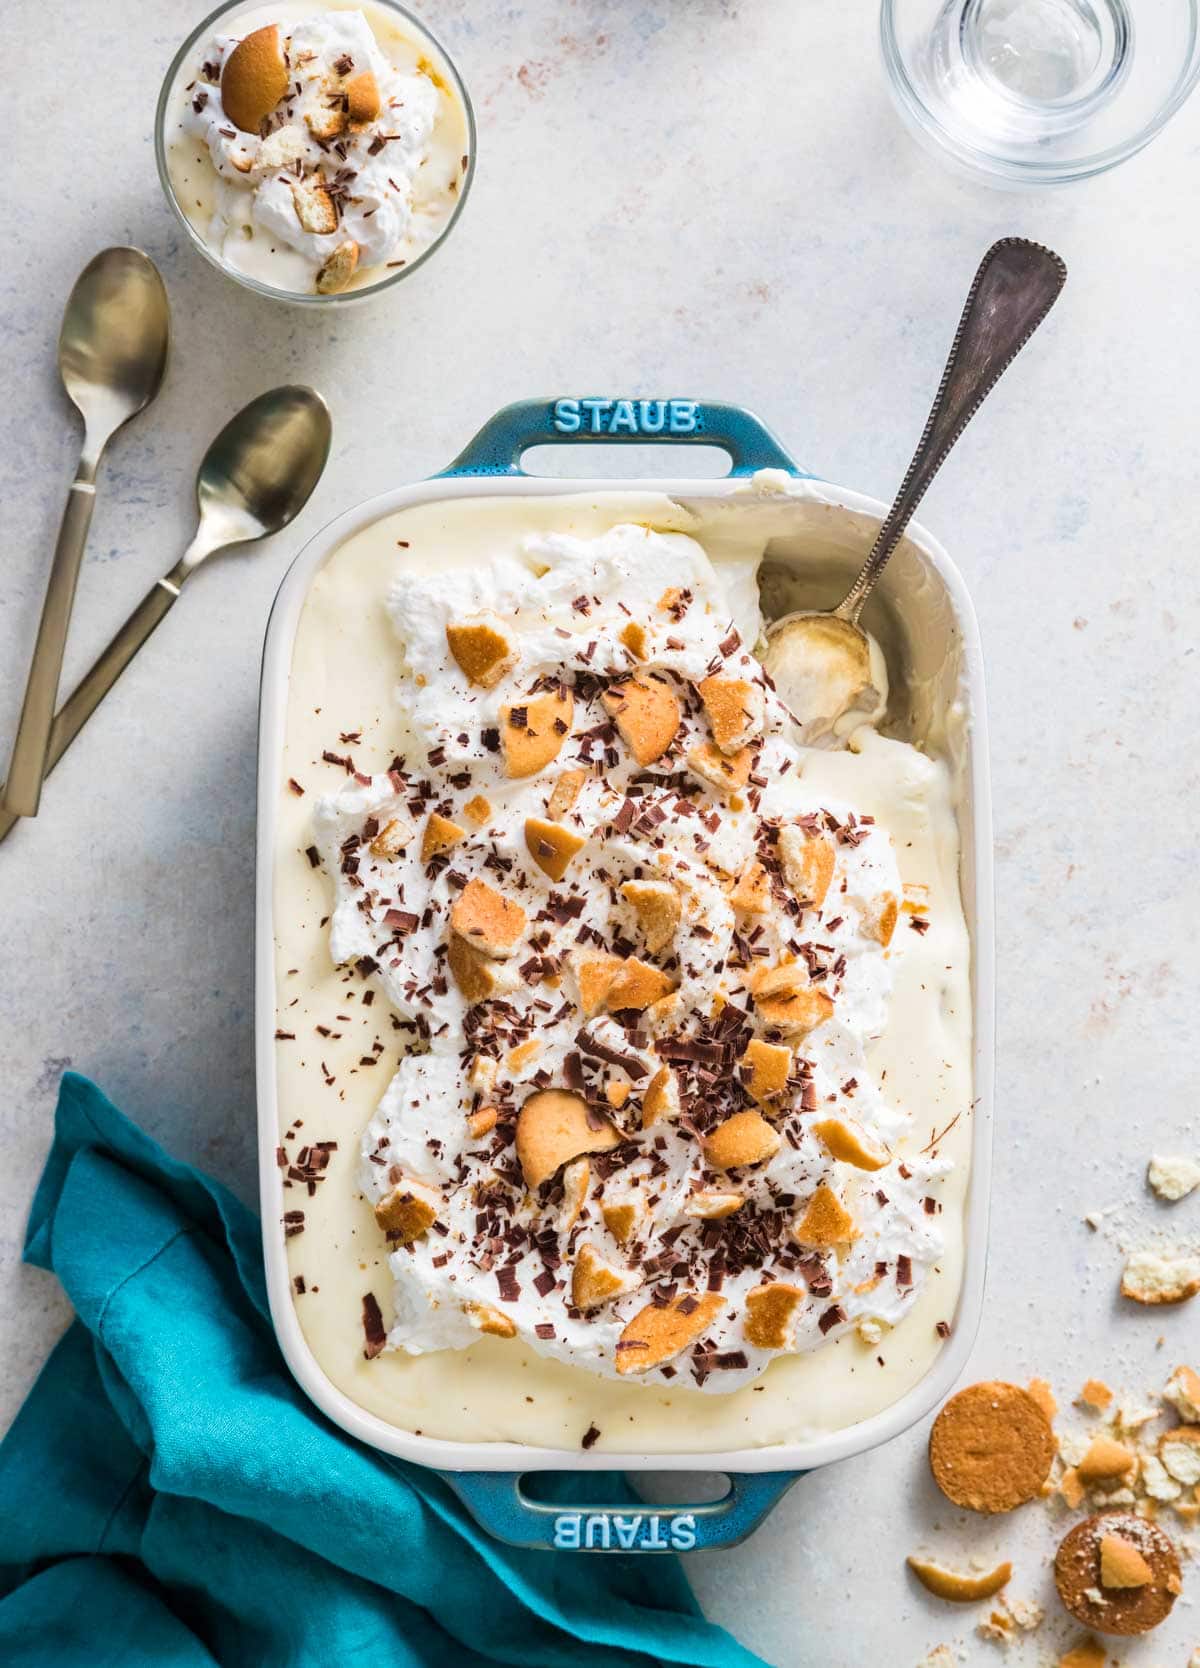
column 313, row 178
column 651, row 1224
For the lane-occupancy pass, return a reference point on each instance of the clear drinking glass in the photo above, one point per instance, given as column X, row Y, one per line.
column 1039, row 92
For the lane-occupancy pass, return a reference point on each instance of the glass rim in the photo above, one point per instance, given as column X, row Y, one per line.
column 1033, row 172
column 273, row 292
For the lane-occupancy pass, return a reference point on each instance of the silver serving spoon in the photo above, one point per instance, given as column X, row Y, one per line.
column 112, row 354
column 823, row 664
column 257, row 475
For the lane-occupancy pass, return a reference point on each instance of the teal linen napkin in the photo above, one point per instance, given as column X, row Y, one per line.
column 168, row 1496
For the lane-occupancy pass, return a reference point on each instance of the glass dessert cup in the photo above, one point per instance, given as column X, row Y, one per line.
column 168, row 102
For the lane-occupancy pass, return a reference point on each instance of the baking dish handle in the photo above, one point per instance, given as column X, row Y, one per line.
column 498, row 1504
column 498, row 447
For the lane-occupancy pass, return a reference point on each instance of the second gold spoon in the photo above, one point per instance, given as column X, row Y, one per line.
column 257, row 475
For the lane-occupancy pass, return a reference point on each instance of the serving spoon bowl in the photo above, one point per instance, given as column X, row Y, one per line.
column 112, row 356
column 823, row 664
column 256, row 477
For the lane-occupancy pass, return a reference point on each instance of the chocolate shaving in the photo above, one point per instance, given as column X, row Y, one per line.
column 597, row 1050
column 373, row 1328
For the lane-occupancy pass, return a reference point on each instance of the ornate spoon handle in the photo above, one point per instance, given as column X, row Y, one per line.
column 1017, row 284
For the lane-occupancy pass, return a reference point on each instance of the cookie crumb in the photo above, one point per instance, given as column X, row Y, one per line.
column 1173, row 1178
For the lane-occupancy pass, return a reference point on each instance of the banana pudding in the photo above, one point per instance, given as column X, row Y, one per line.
column 663, row 1007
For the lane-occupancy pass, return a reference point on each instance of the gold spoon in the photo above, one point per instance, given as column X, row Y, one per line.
column 112, row 354
column 257, row 475
column 823, row 664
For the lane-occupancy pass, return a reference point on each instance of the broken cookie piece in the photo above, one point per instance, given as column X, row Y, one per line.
column 565, row 793
column 1173, row 1179
column 1095, row 1395
column 880, row 917
column 771, row 1315
column 361, row 93
column 482, row 1122
column 846, row 1140
column 1182, row 1391
column 745, row 1138
column 483, row 1073
column 826, row 1222
column 487, row 920
column 483, row 649
column 646, row 713
column 735, row 708
column 478, row 975
column 593, row 974
column 576, row 1179
column 492, row 1321
column 751, row 891
column 1106, row 1462
column 728, row 773
column 477, row 811
column 1155, row 1278
column 661, row 1099
column 407, row 1211
column 338, row 269
column 784, row 998
column 623, row 1218
column 808, row 863
column 532, row 730
column 958, row 1588
column 315, row 208
column 1087, row 1653
column 551, row 845
column 710, row 1205
column 658, row 1333
column 595, row 1281
column 657, row 907
column 765, row 1070
column 554, row 1126
column 327, row 122
column 1179, row 1454
column 635, row 984
column 392, row 839
column 440, row 834
column 1121, row 1564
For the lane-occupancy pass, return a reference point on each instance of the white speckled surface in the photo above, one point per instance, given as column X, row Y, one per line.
column 702, row 198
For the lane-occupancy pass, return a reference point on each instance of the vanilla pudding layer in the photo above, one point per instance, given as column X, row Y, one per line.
column 388, row 181
column 339, row 1050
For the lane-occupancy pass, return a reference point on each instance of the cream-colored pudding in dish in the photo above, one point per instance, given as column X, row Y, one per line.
column 317, row 147
column 616, row 1023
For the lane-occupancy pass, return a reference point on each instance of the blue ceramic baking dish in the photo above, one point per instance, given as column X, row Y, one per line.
column 927, row 612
